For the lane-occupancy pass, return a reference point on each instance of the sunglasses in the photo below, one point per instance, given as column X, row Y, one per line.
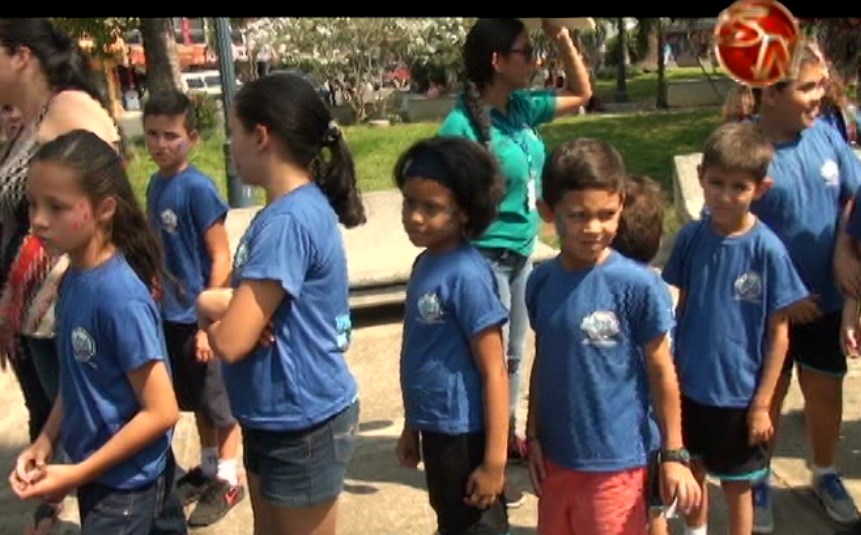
column 527, row 51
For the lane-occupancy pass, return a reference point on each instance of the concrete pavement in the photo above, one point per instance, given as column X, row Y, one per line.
column 382, row 499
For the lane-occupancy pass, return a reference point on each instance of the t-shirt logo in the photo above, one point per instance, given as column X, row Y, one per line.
column 169, row 220
column 600, row 328
column 748, row 287
column 241, row 256
column 344, row 328
column 83, row 346
column 430, row 310
column 830, row 173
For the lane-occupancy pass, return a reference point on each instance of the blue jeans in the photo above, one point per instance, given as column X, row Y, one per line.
column 306, row 467
column 150, row 510
column 512, row 271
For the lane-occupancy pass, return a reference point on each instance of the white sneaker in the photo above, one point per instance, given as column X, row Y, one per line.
column 834, row 498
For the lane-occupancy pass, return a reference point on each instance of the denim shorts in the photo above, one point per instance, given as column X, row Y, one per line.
column 303, row 468
column 153, row 508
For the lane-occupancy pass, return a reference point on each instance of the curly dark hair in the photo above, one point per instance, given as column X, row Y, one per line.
column 464, row 167
column 641, row 225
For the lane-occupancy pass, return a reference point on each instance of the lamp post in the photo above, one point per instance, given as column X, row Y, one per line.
column 238, row 194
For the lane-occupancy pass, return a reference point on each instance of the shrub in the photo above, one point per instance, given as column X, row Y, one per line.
column 206, row 110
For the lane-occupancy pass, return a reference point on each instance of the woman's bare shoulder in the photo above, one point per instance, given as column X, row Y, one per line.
column 76, row 110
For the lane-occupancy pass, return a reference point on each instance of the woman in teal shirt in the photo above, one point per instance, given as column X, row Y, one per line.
column 499, row 110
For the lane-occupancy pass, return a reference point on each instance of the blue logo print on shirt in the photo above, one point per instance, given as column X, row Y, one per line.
column 600, row 328
column 830, row 172
column 748, row 287
column 169, row 220
column 83, row 346
column 241, row 256
column 430, row 310
column 344, row 327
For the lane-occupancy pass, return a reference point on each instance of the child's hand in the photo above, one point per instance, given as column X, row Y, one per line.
column 805, row 311
column 267, row 337
column 408, row 449
column 54, row 480
column 537, row 469
column 759, row 424
column 677, row 483
column 31, row 464
column 484, row 486
column 202, row 350
column 850, row 333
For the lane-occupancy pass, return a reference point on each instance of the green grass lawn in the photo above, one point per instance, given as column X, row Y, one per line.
column 647, row 141
column 644, row 86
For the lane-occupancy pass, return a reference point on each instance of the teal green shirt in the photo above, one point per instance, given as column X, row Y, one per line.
column 520, row 152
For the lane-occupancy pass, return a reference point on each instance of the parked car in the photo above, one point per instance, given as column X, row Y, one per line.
column 208, row 82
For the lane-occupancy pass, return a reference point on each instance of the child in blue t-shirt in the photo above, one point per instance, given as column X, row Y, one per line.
column 601, row 323
column 188, row 215
column 292, row 392
column 736, row 283
column 815, row 175
column 453, row 375
column 641, row 229
column 117, row 408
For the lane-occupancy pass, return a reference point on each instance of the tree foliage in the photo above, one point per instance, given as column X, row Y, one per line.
column 354, row 53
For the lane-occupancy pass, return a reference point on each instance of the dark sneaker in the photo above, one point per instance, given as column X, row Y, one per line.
column 513, row 497
column 218, row 499
column 191, row 486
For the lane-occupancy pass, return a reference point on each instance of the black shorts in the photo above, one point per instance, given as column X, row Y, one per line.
column 449, row 460
column 718, row 438
column 816, row 346
column 199, row 386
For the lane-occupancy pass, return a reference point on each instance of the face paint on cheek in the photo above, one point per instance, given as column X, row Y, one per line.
column 561, row 226
column 82, row 215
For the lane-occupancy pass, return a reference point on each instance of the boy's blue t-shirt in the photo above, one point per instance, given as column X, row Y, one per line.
column 108, row 326
column 302, row 378
column 521, row 153
column 732, row 287
column 181, row 210
column 591, row 325
column 814, row 176
column 451, row 298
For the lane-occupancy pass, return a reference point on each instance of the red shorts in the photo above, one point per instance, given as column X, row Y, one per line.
column 592, row 503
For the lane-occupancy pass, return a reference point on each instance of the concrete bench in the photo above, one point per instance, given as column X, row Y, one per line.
column 379, row 253
column 687, row 192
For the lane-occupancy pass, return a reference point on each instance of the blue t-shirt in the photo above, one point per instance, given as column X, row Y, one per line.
column 108, row 326
column 733, row 285
column 181, row 210
column 592, row 388
column 302, row 378
column 520, row 152
column 451, row 298
column 814, row 176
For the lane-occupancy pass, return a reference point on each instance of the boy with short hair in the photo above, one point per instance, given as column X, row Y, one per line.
column 641, row 229
column 736, row 283
column 188, row 214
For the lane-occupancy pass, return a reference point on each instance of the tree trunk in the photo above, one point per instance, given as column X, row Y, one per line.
column 661, row 101
column 162, row 63
column 621, row 72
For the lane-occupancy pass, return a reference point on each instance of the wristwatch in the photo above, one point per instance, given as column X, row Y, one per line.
column 680, row 456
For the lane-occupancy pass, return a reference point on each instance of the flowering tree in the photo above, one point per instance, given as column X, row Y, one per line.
column 352, row 54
